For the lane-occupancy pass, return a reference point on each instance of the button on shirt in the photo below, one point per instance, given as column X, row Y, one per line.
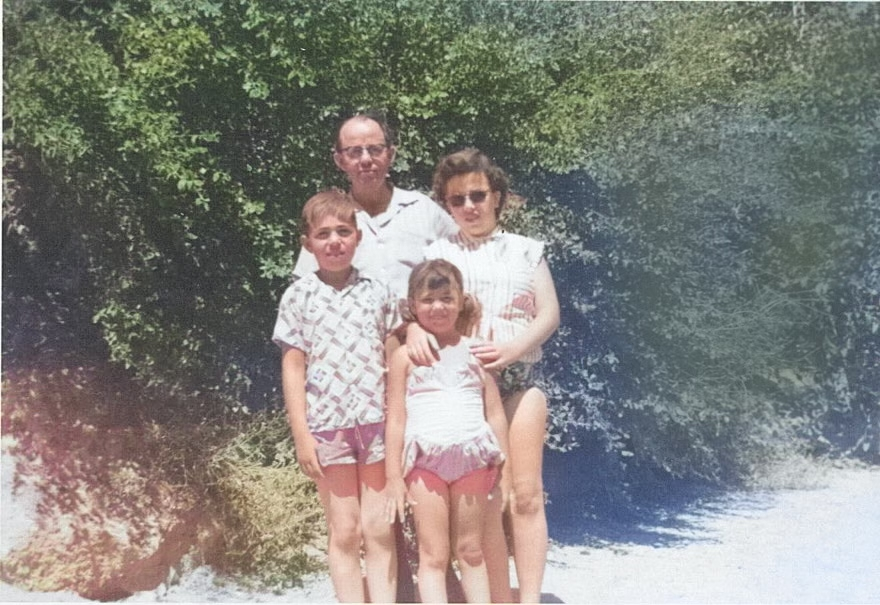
column 342, row 333
column 394, row 241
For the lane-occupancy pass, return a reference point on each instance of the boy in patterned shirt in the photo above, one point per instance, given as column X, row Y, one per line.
column 332, row 328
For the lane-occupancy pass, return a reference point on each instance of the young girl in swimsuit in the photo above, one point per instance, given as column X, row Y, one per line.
column 446, row 437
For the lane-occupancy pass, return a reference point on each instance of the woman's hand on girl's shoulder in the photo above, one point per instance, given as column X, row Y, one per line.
column 495, row 356
column 485, row 351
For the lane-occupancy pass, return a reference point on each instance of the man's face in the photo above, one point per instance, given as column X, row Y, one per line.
column 362, row 153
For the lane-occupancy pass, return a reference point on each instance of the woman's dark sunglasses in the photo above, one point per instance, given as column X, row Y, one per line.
column 476, row 197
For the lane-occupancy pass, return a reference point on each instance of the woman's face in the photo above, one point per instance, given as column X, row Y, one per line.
column 472, row 203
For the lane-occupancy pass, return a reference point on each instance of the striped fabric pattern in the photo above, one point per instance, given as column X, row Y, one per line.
column 499, row 271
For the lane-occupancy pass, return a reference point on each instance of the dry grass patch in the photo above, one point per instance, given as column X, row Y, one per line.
column 129, row 485
column 273, row 518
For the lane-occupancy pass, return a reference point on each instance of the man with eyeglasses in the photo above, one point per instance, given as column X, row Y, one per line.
column 397, row 224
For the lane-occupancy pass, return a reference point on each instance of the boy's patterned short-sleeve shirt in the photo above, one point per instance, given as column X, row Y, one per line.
column 342, row 333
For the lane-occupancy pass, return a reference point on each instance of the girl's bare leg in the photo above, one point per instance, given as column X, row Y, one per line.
column 380, row 556
column 431, row 515
column 527, row 415
column 468, row 506
column 338, row 490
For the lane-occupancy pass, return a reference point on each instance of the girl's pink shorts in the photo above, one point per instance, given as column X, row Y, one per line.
column 478, row 483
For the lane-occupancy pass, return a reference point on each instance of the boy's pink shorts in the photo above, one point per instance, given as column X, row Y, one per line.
column 361, row 444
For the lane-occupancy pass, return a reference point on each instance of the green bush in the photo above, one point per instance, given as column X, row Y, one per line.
column 705, row 175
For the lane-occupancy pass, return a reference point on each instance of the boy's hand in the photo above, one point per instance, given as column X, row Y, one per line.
column 307, row 456
column 397, row 498
column 421, row 346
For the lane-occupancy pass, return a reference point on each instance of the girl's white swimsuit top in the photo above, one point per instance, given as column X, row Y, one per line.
column 446, row 428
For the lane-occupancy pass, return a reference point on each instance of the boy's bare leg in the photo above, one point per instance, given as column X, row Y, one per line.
column 379, row 553
column 338, row 490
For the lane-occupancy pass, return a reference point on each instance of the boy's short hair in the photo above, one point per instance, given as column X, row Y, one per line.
column 331, row 202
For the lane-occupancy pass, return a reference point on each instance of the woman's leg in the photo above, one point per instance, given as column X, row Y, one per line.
column 379, row 549
column 338, row 490
column 527, row 416
column 467, row 498
column 431, row 514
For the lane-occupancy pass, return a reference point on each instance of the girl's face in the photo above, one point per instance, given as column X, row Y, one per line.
column 472, row 203
column 437, row 309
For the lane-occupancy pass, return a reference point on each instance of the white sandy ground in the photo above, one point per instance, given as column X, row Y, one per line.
column 819, row 545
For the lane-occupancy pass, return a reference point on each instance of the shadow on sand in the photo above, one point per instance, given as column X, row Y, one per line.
column 582, row 511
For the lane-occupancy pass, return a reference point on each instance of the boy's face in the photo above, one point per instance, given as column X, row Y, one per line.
column 333, row 241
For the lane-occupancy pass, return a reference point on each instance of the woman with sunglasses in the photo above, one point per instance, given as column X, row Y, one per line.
column 510, row 278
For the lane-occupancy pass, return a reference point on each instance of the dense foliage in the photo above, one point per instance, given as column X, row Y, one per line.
column 706, row 176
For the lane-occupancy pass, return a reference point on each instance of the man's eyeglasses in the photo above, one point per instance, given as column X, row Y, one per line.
column 476, row 197
column 357, row 151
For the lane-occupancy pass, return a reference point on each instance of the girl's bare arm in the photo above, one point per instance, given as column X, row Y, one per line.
column 395, row 425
